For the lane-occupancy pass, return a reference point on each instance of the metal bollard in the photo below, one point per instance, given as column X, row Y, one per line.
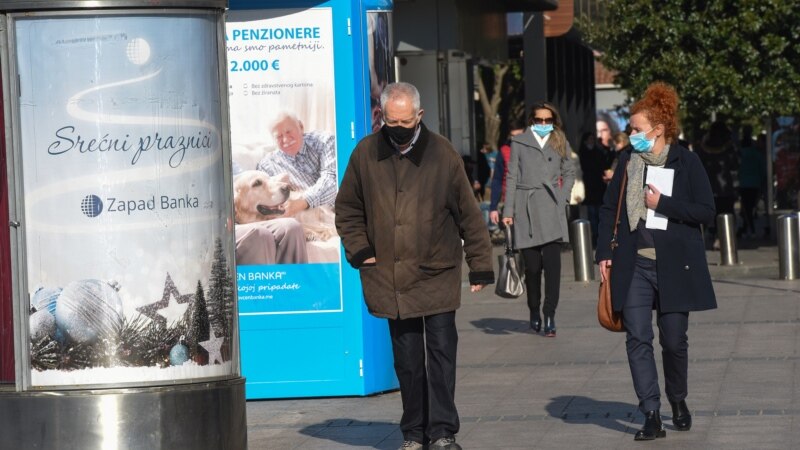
column 788, row 252
column 581, row 235
column 726, row 232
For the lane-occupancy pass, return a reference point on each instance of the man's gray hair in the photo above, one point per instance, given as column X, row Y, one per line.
column 281, row 116
column 400, row 90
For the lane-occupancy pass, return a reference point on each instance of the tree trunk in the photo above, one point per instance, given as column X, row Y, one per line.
column 491, row 105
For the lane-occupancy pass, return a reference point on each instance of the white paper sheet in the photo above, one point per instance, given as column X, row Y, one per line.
column 661, row 178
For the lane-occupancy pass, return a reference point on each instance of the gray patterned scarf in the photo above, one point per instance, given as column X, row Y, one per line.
column 634, row 196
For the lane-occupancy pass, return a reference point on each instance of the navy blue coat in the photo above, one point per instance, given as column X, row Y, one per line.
column 683, row 279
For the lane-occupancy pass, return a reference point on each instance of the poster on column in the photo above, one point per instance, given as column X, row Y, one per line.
column 126, row 214
column 381, row 61
column 283, row 123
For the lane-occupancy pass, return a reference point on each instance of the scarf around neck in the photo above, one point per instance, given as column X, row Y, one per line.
column 634, row 196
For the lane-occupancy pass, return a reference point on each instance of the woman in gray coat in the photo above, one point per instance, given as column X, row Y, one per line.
column 538, row 185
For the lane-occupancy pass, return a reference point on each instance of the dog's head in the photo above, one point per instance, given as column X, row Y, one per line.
column 257, row 196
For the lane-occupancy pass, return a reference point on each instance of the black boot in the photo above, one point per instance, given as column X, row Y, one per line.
column 536, row 322
column 549, row 326
column 681, row 417
column 652, row 429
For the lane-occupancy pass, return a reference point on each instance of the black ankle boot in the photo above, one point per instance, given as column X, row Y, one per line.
column 652, row 429
column 681, row 417
column 536, row 322
column 549, row 326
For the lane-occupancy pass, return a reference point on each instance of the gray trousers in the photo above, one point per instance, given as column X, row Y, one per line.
column 638, row 318
column 276, row 241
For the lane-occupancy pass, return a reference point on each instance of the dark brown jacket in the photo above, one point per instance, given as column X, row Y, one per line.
column 411, row 213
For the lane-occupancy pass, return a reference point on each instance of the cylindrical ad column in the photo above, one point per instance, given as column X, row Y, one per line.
column 124, row 251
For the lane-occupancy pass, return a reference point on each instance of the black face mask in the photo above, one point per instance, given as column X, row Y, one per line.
column 400, row 135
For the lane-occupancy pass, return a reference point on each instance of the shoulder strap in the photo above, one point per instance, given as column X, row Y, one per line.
column 619, row 204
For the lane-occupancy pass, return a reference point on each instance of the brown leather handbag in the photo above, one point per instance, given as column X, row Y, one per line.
column 608, row 318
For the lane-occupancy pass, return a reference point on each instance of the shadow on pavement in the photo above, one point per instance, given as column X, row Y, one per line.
column 493, row 325
column 358, row 433
column 582, row 410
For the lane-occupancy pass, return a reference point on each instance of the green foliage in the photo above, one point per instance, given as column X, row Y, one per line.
column 135, row 343
column 737, row 58
column 199, row 325
column 220, row 293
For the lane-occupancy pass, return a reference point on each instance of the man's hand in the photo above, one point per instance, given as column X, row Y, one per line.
column 494, row 216
column 369, row 261
column 294, row 206
column 507, row 221
column 476, row 287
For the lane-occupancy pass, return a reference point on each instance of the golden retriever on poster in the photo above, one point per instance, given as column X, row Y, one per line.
column 258, row 197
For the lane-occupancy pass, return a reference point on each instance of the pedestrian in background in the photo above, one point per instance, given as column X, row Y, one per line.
column 606, row 129
column 595, row 160
column 403, row 208
column 720, row 157
column 752, row 176
column 657, row 269
column 498, row 186
column 621, row 143
column 538, row 186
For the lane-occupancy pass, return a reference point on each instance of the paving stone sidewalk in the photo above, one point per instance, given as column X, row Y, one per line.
column 518, row 390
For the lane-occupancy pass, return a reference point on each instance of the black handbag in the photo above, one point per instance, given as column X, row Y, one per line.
column 509, row 281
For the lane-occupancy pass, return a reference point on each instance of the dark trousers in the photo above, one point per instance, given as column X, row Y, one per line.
column 545, row 258
column 638, row 317
column 749, row 198
column 594, row 221
column 425, row 362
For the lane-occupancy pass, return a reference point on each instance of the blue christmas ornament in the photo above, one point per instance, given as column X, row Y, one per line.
column 45, row 298
column 178, row 355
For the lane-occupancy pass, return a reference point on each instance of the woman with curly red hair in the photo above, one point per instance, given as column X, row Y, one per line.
column 657, row 269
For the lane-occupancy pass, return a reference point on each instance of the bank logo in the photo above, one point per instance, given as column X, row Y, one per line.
column 91, row 205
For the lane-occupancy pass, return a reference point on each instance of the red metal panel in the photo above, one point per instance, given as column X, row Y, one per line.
column 6, row 308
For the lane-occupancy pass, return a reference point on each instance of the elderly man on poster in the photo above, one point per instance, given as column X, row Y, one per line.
column 308, row 158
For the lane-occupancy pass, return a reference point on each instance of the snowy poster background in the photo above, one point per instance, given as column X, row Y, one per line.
column 281, row 61
column 126, row 213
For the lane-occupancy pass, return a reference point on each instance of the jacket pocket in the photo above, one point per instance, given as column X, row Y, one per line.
column 369, row 277
column 433, row 270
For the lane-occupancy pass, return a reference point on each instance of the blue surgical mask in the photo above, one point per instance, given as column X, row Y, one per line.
column 640, row 143
column 542, row 130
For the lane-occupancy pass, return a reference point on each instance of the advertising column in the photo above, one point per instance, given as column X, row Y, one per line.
column 122, row 274
column 127, row 222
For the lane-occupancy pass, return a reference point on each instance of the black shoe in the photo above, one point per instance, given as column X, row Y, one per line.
column 549, row 326
column 681, row 417
column 652, row 429
column 536, row 323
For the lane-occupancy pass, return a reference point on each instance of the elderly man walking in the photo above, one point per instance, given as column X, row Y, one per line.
column 403, row 208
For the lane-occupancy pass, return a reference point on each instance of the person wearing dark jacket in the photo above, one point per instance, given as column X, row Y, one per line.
column 657, row 269
column 403, row 208
column 498, row 186
column 595, row 159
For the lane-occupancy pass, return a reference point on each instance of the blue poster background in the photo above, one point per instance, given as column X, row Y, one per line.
column 282, row 288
